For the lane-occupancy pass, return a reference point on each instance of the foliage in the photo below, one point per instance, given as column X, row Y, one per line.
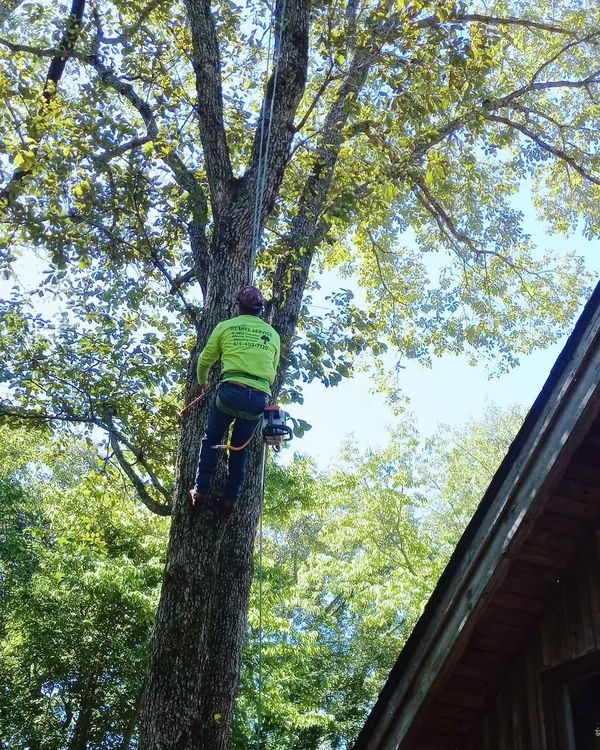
column 131, row 171
column 350, row 558
column 80, row 567
column 453, row 115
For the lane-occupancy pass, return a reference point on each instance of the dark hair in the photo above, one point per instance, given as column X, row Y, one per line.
column 249, row 310
column 250, row 300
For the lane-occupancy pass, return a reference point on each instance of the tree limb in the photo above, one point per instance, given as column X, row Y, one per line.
column 55, row 70
column 329, row 77
column 116, row 437
column 545, row 146
column 207, row 69
column 115, row 434
column 376, row 251
column 275, row 128
column 308, row 228
column 561, row 51
column 129, row 33
column 423, row 144
column 493, row 21
column 183, row 176
column 140, row 487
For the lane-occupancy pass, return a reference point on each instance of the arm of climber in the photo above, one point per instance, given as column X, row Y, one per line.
column 276, row 355
column 209, row 355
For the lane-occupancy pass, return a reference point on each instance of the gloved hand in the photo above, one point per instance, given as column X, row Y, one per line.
column 196, row 395
column 198, row 390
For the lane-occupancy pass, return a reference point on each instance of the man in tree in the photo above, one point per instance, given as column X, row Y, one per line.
column 248, row 348
column 394, row 133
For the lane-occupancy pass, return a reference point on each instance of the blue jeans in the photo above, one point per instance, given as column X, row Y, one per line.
column 236, row 398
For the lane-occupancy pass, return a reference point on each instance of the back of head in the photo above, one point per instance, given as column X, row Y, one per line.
column 250, row 300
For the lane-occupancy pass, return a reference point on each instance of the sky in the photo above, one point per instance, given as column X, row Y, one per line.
column 450, row 392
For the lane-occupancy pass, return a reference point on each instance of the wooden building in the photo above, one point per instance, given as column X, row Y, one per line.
column 506, row 655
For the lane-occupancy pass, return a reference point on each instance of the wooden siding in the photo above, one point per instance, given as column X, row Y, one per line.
column 544, row 613
column 528, row 712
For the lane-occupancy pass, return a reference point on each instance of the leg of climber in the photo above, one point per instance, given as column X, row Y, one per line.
column 251, row 403
column 216, row 428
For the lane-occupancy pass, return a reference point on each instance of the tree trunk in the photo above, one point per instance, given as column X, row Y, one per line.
column 196, row 648
column 200, row 625
column 83, row 724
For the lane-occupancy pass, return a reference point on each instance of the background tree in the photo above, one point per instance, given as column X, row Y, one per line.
column 350, row 557
column 132, row 162
column 80, row 568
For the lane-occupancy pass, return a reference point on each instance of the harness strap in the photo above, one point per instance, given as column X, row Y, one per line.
column 251, row 417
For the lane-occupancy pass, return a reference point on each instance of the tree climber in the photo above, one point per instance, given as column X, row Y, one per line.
column 248, row 348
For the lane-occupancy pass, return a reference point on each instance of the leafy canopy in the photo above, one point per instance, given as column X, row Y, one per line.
column 459, row 106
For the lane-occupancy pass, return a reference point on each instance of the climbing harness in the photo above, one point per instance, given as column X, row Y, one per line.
column 226, row 446
column 275, row 430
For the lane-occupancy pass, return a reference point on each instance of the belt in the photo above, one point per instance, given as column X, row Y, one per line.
column 243, row 385
column 239, row 373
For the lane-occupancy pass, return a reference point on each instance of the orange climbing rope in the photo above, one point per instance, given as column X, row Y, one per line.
column 195, row 402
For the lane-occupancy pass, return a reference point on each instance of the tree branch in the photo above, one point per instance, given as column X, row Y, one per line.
column 423, row 144
column 130, row 145
column 116, row 437
column 545, row 146
column 207, row 68
column 308, row 228
column 140, row 487
column 329, row 77
column 183, row 176
column 376, row 250
column 55, row 70
column 447, row 221
column 493, row 21
column 561, row 51
column 129, row 33
column 275, row 128
column 504, row 101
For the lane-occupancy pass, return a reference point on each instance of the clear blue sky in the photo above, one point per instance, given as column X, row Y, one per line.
column 451, row 392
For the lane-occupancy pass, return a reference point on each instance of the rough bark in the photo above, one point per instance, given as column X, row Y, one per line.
column 196, row 650
column 83, row 724
column 200, row 625
column 197, row 644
